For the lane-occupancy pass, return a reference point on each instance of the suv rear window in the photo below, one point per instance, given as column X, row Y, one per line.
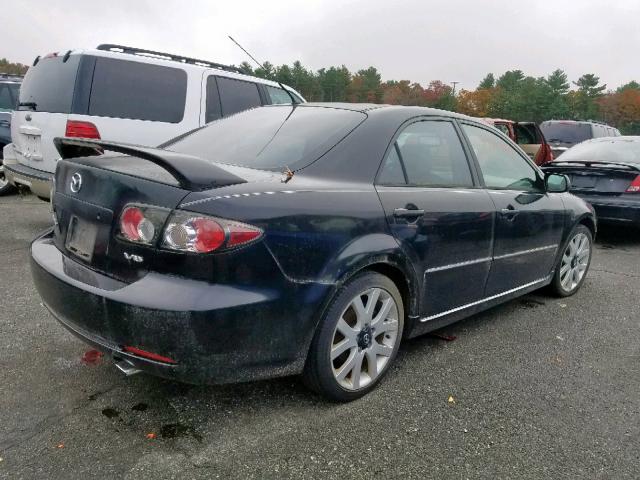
column 138, row 91
column 566, row 132
column 270, row 137
column 48, row 86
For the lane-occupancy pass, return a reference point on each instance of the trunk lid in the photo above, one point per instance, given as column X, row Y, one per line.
column 600, row 178
column 91, row 192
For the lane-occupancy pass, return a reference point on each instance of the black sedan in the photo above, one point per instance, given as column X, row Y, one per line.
column 300, row 239
column 606, row 173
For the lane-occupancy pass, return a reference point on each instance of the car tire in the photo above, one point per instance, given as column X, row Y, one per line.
column 573, row 263
column 357, row 339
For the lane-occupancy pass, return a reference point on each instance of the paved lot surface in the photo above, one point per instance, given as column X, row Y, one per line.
column 543, row 388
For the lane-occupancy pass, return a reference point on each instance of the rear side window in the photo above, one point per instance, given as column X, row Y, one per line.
column 431, row 154
column 49, row 85
column 138, row 91
column 212, row 111
column 237, row 95
column 527, row 134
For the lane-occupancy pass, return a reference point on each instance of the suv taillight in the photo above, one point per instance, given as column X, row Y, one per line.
column 78, row 129
column 183, row 231
column 635, row 186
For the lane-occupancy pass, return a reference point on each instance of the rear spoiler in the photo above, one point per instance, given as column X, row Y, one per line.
column 192, row 173
column 591, row 164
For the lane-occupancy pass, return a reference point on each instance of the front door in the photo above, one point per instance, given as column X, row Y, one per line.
column 441, row 219
column 529, row 221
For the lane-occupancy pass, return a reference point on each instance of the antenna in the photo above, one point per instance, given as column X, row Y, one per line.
column 454, row 88
column 293, row 100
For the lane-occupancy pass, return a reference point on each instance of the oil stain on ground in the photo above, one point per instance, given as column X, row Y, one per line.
column 176, row 430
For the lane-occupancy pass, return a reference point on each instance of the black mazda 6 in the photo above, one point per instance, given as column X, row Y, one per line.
column 306, row 239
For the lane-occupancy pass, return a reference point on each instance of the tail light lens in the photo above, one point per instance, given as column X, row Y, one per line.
column 78, row 129
column 141, row 223
column 189, row 232
column 183, row 231
column 635, row 186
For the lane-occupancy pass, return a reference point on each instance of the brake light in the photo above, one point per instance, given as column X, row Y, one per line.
column 150, row 355
column 635, row 186
column 141, row 223
column 78, row 129
column 189, row 232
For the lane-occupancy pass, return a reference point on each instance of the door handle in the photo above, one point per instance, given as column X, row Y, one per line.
column 407, row 213
column 510, row 213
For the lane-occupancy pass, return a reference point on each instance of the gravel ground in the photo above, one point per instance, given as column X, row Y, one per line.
column 541, row 388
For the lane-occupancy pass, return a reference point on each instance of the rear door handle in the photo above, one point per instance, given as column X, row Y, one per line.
column 407, row 213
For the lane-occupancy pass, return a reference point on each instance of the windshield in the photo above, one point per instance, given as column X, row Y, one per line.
column 626, row 150
column 270, row 137
column 8, row 96
column 48, row 86
column 566, row 132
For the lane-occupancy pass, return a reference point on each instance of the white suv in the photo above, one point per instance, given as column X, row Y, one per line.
column 125, row 95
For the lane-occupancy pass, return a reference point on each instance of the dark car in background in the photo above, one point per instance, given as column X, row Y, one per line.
column 300, row 239
column 9, row 93
column 527, row 135
column 606, row 173
column 564, row 134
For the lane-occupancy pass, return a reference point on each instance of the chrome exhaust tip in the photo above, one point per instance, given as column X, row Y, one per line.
column 125, row 366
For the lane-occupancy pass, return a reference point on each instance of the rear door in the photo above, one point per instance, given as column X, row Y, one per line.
column 529, row 222
column 46, row 97
column 442, row 221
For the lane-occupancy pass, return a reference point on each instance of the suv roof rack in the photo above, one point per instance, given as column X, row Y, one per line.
column 166, row 56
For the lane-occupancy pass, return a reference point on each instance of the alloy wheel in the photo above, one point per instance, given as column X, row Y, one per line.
column 575, row 261
column 364, row 339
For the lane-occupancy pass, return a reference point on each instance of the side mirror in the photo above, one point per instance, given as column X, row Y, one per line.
column 557, row 183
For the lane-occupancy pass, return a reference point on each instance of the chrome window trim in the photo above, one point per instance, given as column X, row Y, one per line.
column 487, row 299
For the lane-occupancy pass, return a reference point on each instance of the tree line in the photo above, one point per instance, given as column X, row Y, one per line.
column 512, row 95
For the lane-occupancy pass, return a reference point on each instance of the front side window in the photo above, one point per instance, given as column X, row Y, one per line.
column 237, row 95
column 430, row 154
column 277, row 95
column 138, row 91
column 500, row 164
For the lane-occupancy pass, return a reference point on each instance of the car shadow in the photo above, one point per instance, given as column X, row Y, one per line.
column 615, row 236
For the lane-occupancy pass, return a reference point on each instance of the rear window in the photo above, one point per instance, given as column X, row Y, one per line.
column 270, row 137
column 278, row 95
column 566, row 132
column 48, row 86
column 138, row 91
column 626, row 150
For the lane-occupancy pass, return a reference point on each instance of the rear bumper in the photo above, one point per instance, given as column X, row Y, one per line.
column 37, row 181
column 618, row 209
column 215, row 333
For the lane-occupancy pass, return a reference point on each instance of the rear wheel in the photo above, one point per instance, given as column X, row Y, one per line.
column 357, row 340
column 574, row 263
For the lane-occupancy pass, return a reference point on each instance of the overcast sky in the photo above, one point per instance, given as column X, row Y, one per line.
column 414, row 40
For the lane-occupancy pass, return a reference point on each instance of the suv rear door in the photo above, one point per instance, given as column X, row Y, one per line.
column 46, row 98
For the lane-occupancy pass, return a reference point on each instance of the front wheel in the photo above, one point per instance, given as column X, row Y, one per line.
column 574, row 263
column 357, row 340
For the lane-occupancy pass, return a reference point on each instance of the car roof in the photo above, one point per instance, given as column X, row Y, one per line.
column 377, row 108
column 619, row 138
column 189, row 67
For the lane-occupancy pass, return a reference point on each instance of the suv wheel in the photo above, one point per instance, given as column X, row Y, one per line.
column 357, row 340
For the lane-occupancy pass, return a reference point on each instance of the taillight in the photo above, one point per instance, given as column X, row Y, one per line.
column 145, row 354
column 635, row 186
column 78, row 129
column 141, row 223
column 190, row 232
column 545, row 155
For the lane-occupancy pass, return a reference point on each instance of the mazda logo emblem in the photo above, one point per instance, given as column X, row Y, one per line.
column 76, row 183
